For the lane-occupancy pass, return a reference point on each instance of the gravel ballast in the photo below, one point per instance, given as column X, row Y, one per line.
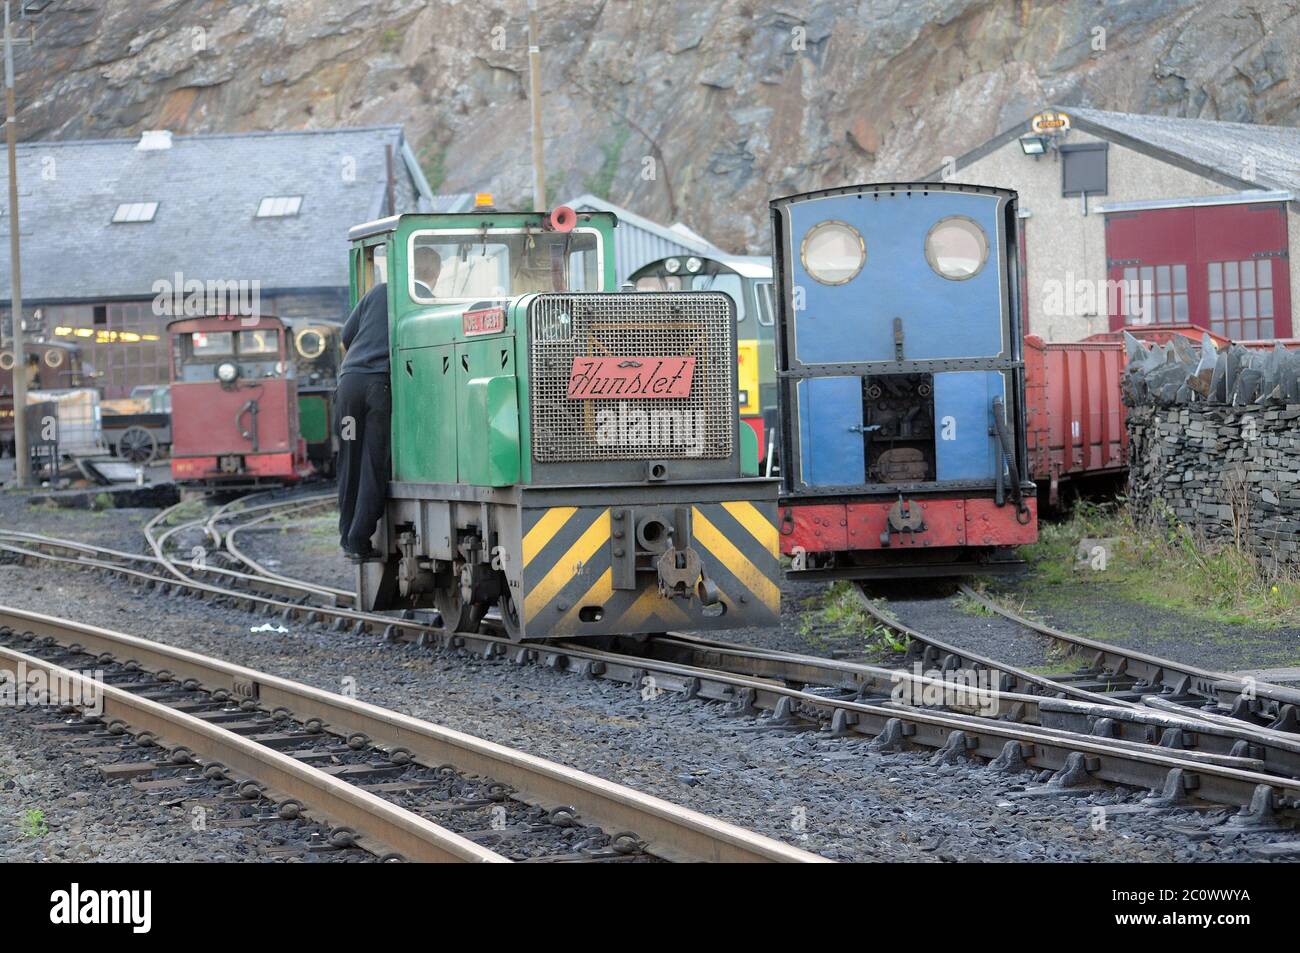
column 831, row 796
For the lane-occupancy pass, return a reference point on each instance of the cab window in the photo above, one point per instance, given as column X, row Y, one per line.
column 729, row 284
column 659, row 283
column 262, row 341
column 497, row 265
column 763, row 296
column 206, row 344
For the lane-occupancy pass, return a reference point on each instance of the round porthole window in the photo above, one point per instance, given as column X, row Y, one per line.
column 6, row 360
column 956, row 248
column 833, row 252
column 53, row 357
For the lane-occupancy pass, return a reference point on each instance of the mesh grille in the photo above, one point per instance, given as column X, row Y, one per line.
column 641, row 324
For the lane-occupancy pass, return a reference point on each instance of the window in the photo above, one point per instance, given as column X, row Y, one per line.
column 262, row 341
column 279, row 206
column 956, row 248
column 728, row 282
column 1083, row 169
column 833, row 252
column 444, row 267
column 1241, row 298
column 659, row 283
column 212, row 343
column 763, row 292
column 135, row 212
column 1156, row 294
column 121, row 345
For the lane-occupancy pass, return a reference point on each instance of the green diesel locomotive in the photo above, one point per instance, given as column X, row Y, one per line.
column 566, row 452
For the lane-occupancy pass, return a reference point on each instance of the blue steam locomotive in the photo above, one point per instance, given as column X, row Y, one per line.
column 901, row 375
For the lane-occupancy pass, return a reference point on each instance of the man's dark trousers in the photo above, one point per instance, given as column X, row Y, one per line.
column 363, row 409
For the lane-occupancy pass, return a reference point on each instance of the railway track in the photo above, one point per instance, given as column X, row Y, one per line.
column 1081, row 741
column 1275, row 707
column 378, row 779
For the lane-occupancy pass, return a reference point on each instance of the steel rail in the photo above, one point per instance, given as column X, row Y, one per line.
column 340, row 596
column 1107, row 760
column 158, row 543
column 670, row 831
column 952, row 656
column 1244, row 745
column 1276, row 755
column 1154, row 670
column 1103, row 759
column 90, row 552
column 1157, row 719
column 384, row 826
column 228, row 510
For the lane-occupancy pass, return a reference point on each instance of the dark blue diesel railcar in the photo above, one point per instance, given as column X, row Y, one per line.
column 899, row 357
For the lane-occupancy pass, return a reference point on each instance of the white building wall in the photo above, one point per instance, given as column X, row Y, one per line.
column 1065, row 246
column 1293, row 249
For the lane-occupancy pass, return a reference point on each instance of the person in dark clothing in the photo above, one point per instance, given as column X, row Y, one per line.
column 363, row 407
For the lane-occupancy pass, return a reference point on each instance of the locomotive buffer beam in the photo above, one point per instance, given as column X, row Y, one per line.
column 903, row 517
column 655, row 540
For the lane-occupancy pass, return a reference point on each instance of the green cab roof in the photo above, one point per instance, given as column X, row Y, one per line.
column 478, row 218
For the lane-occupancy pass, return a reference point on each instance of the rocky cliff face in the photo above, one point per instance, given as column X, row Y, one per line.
column 691, row 110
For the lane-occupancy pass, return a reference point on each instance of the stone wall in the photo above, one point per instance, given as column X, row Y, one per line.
column 1229, row 473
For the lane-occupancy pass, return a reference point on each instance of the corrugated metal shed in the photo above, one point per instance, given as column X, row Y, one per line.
column 639, row 241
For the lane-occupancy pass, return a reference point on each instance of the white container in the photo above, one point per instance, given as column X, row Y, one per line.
column 80, row 424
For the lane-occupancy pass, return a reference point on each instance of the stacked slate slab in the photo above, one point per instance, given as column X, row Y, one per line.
column 1215, row 440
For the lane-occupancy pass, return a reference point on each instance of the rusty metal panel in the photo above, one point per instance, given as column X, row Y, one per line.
column 988, row 524
column 814, row 529
column 944, row 524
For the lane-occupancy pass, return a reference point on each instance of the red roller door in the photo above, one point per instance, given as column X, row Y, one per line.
column 1219, row 267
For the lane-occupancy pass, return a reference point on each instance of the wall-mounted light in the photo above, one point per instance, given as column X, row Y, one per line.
column 1033, row 145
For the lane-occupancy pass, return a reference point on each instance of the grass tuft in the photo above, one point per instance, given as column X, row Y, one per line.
column 34, row 823
column 837, row 616
column 1163, row 563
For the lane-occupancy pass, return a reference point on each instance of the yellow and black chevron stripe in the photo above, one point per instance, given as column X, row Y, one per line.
column 568, row 576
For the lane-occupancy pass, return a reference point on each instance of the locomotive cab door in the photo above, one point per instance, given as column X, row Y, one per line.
column 830, row 431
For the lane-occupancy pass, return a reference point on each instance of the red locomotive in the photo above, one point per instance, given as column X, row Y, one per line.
column 234, row 403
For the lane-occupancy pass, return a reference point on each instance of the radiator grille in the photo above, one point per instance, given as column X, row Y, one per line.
column 632, row 324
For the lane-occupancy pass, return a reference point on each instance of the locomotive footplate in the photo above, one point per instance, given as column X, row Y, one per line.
column 605, row 560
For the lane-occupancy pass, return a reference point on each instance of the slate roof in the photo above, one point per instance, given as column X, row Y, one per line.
column 1222, row 147
column 208, row 189
column 1216, row 150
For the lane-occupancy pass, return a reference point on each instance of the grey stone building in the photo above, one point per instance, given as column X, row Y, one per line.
column 117, row 233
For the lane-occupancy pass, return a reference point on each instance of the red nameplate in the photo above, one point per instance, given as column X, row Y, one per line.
column 486, row 321
column 594, row 378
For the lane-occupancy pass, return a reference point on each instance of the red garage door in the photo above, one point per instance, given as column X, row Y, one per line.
column 1220, row 267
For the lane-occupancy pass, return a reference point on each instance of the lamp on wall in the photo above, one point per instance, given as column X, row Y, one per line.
column 1033, row 145
column 1045, row 129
